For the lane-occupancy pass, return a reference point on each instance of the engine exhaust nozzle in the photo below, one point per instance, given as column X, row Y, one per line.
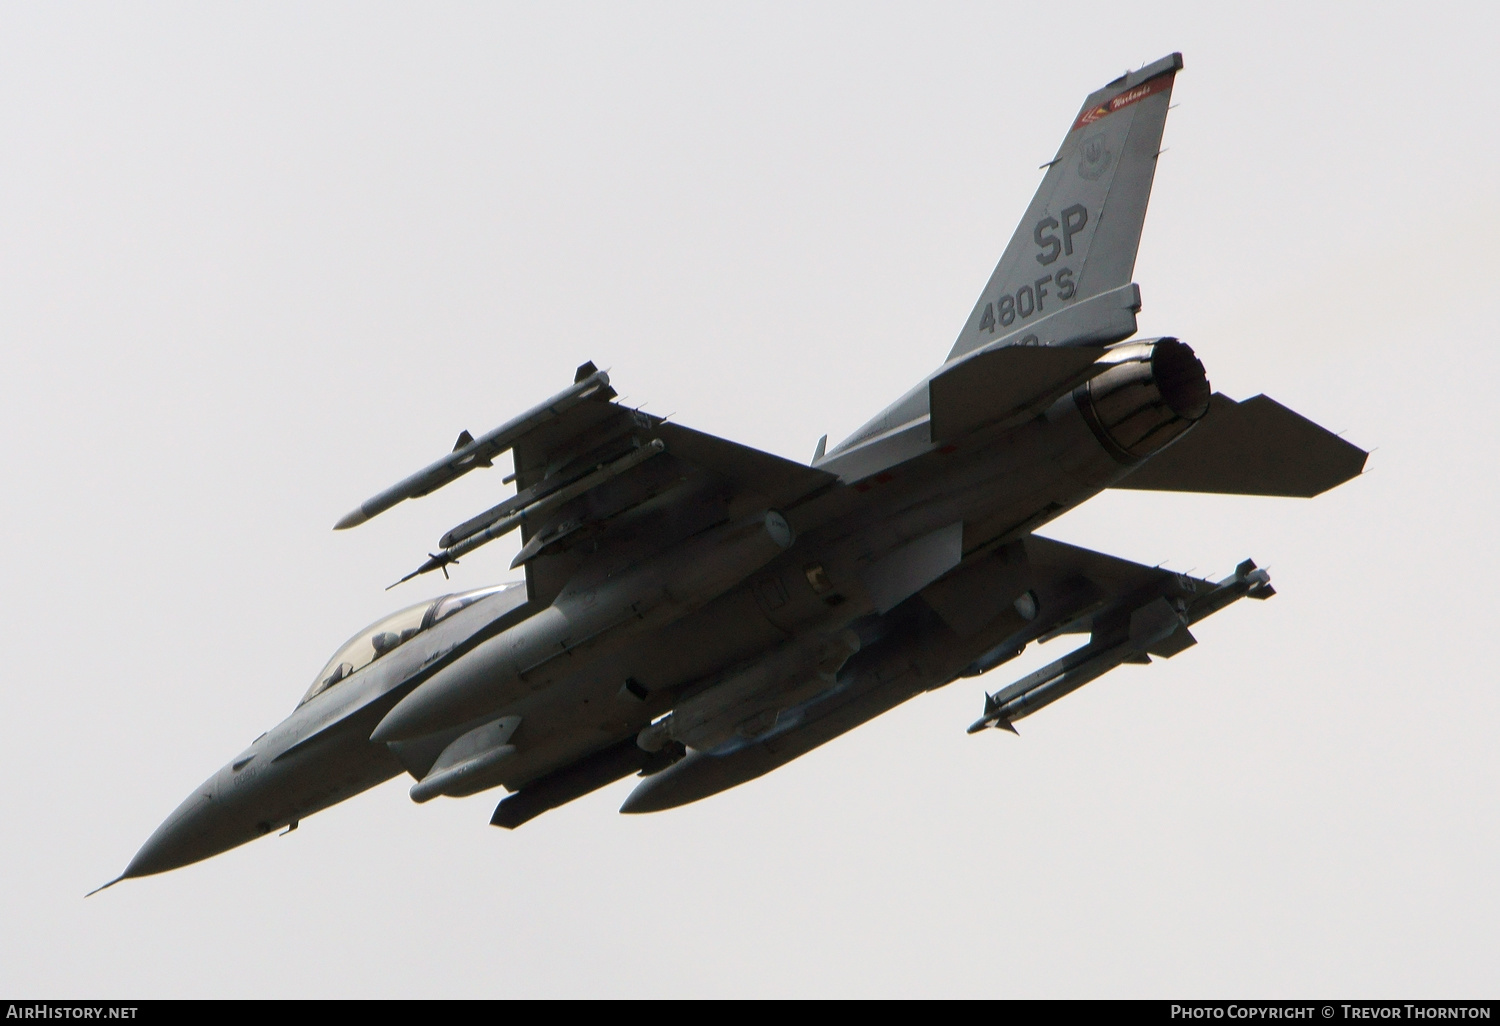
column 1155, row 392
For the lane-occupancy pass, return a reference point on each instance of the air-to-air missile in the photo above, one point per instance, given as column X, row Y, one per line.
column 1158, row 626
column 699, row 612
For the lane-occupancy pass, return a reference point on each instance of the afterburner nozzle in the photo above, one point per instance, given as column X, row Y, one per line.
column 1155, row 391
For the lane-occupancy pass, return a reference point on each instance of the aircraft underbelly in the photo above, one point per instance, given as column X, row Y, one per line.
column 1001, row 499
column 813, row 589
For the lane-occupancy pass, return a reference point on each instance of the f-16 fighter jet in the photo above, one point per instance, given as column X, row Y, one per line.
column 697, row 613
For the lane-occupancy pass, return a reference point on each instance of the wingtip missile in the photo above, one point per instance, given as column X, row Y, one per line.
column 470, row 452
column 1156, row 627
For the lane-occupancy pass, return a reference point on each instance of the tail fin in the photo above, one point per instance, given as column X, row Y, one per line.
column 1079, row 237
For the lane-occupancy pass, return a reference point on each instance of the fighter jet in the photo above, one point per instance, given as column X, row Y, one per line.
column 697, row 613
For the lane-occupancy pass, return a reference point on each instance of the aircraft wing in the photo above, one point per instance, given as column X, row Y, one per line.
column 749, row 472
column 1082, row 583
column 1132, row 611
column 585, row 467
column 699, row 479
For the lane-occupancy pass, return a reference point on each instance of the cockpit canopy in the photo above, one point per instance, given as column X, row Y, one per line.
column 390, row 633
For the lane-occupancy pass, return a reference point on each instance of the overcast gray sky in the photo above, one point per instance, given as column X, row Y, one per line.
column 259, row 261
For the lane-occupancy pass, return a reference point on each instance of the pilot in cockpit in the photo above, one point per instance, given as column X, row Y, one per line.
column 384, row 641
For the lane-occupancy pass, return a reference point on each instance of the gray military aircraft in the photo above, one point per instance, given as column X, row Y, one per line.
column 698, row 613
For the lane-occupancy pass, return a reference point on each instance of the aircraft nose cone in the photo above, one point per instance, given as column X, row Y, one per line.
column 194, row 831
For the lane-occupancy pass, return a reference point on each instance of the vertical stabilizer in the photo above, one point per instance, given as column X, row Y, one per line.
column 1079, row 237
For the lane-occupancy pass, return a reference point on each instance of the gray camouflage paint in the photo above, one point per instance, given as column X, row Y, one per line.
column 700, row 612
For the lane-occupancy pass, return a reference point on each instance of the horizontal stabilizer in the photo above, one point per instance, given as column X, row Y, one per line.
column 1257, row 447
column 997, row 384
